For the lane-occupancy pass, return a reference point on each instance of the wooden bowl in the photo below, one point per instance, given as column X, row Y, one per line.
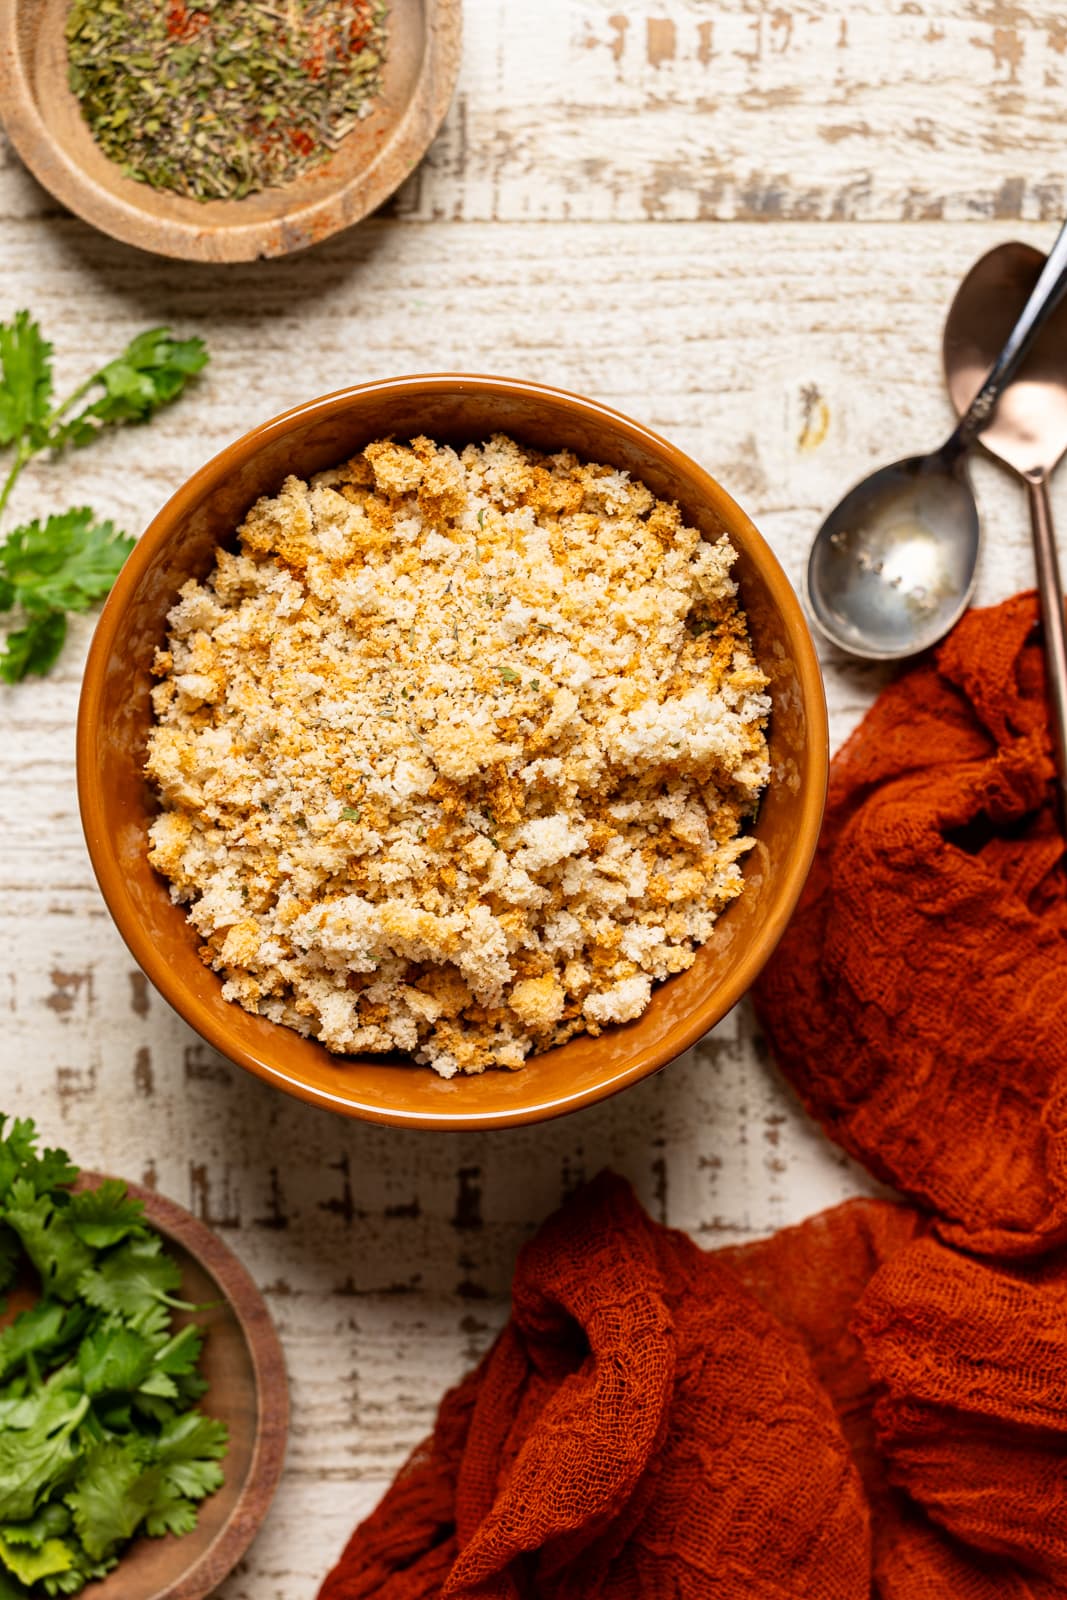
column 245, row 1369
column 46, row 126
column 115, row 716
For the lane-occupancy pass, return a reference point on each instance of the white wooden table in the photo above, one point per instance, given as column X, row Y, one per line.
column 741, row 221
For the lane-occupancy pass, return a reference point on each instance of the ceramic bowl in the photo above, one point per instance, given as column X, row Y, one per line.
column 245, row 1371
column 46, row 126
column 115, row 717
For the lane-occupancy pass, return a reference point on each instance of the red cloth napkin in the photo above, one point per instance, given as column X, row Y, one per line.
column 851, row 1400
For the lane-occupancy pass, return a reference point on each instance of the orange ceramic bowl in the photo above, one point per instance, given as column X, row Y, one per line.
column 117, row 804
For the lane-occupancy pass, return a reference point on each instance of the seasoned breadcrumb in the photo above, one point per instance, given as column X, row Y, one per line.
column 455, row 752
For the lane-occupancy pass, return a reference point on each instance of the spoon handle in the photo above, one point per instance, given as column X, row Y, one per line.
column 1050, row 589
column 1047, row 293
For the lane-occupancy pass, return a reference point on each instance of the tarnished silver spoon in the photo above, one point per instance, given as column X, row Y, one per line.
column 1028, row 430
column 893, row 566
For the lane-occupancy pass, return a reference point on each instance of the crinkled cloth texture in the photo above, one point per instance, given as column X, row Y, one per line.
column 850, row 1409
column 642, row 1427
column 917, row 1001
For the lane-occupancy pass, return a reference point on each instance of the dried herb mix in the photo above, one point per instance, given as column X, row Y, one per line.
column 228, row 98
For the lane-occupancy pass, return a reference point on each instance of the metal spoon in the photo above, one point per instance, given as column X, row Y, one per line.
column 893, row 567
column 1028, row 431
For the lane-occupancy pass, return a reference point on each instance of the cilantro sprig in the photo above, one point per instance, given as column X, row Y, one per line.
column 100, row 1438
column 71, row 560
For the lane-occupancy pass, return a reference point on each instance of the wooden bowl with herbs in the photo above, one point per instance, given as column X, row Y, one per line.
column 163, row 1419
column 231, row 131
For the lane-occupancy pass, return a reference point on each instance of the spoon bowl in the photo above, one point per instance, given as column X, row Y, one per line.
column 1028, row 431
column 894, row 564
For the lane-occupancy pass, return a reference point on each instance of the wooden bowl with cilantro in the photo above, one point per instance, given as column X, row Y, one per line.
column 143, row 1401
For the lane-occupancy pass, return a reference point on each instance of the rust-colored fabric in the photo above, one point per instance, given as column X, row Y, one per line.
column 850, row 1409
column 918, row 1001
column 642, row 1428
column 949, row 1379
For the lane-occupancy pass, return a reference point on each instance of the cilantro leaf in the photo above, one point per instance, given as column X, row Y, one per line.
column 64, row 564
column 44, row 1328
column 152, row 371
column 19, row 1158
column 189, row 1449
column 132, row 1278
column 104, row 1216
column 25, row 380
column 112, row 1496
column 179, row 1355
column 113, row 1360
column 170, row 1512
column 107, row 1445
column 48, row 1239
column 37, row 1459
column 71, row 560
column 51, row 1522
column 34, row 648
column 84, row 1571
column 160, row 1386
column 10, row 1252
column 153, row 1321
column 30, row 1565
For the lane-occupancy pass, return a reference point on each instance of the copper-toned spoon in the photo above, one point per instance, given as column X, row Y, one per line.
column 1028, row 430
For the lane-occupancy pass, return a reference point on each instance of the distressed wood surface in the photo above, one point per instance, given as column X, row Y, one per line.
column 562, row 229
column 610, row 110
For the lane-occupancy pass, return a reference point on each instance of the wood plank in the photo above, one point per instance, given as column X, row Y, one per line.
column 740, row 110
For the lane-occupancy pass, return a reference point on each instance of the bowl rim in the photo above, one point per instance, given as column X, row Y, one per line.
column 223, row 242
column 681, row 1035
column 267, row 1358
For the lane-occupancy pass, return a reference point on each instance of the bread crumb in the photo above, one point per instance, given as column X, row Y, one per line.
column 455, row 751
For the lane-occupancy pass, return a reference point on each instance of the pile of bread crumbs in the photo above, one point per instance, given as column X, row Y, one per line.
column 455, row 752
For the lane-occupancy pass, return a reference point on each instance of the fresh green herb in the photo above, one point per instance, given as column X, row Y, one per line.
column 535, row 684
column 100, row 1440
column 34, row 648
column 26, row 370
column 152, row 371
column 481, row 519
column 351, row 814
column 71, row 560
column 508, row 675
column 224, row 98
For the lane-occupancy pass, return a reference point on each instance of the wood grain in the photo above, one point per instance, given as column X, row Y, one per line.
column 598, row 110
column 788, row 353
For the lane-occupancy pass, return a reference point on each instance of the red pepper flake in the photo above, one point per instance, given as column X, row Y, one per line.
column 301, row 141
column 314, row 63
column 183, row 24
column 359, row 28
